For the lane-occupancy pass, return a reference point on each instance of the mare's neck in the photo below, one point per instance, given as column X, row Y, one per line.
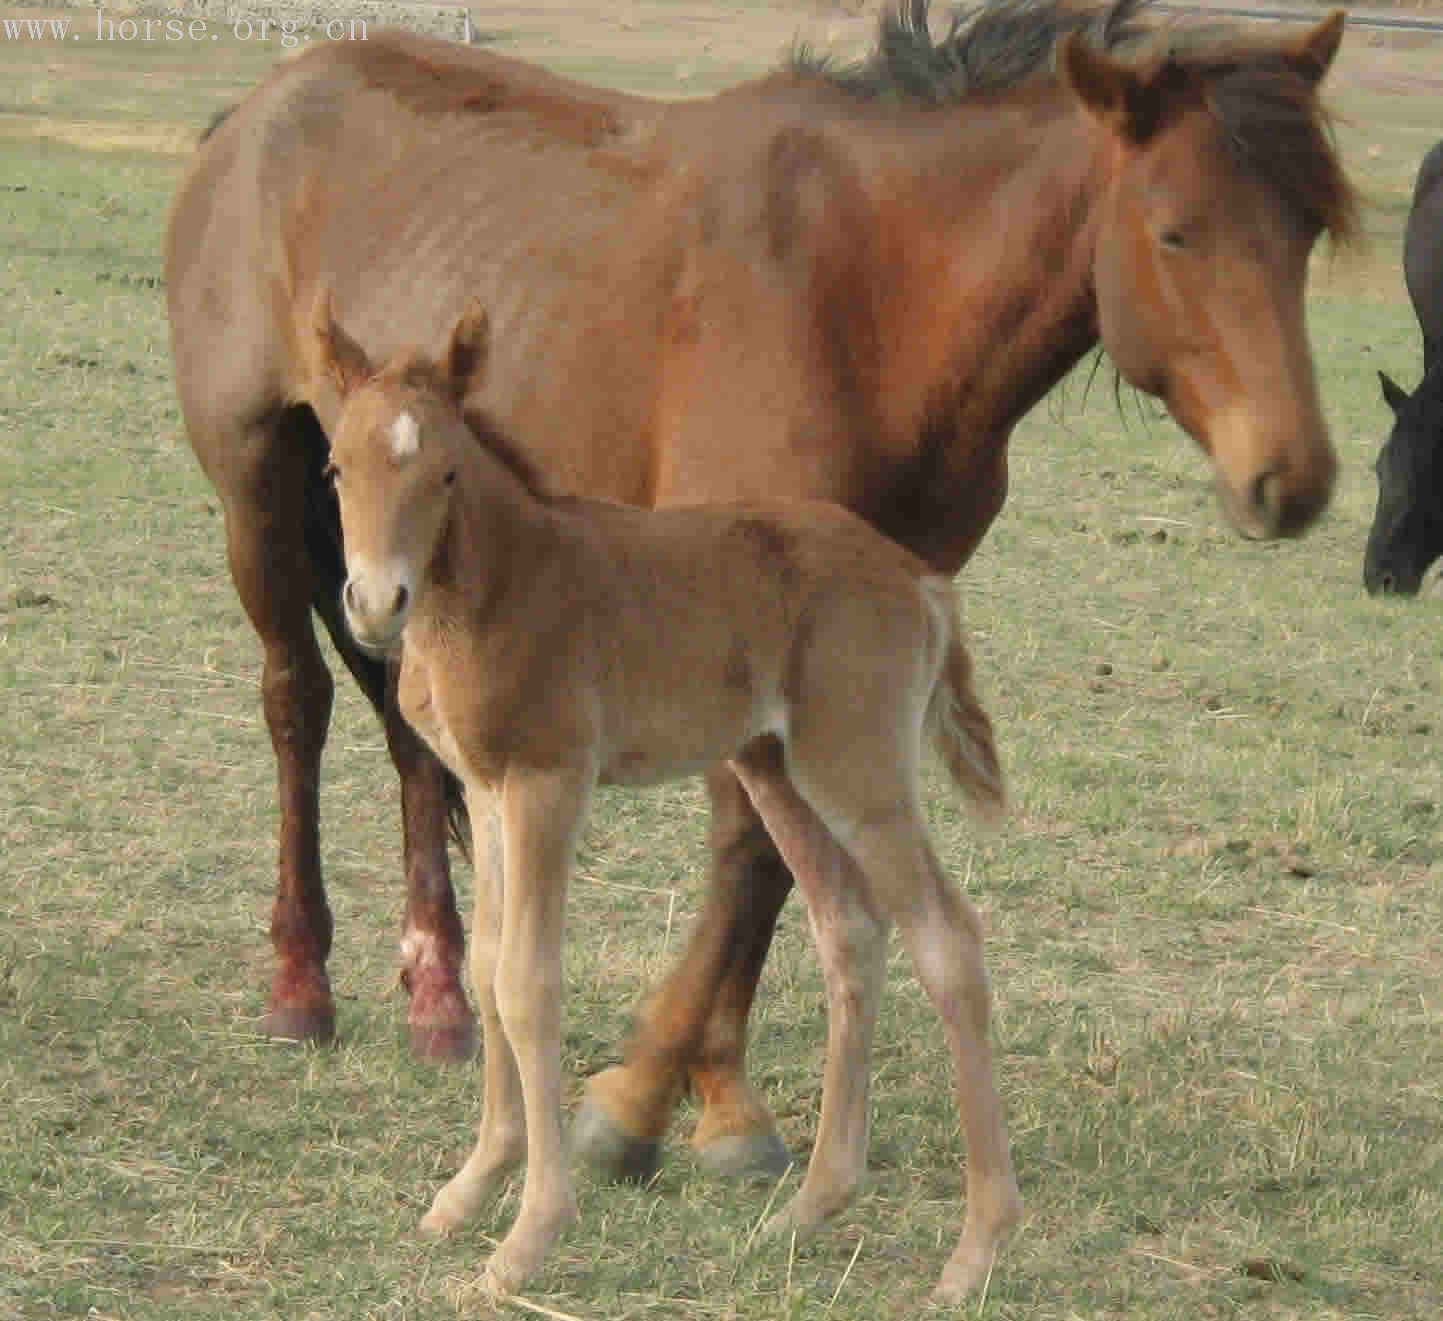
column 1001, row 200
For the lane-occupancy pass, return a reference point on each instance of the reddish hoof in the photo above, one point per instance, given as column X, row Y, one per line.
column 299, row 1024
column 754, row 1156
column 444, row 1043
column 609, row 1151
column 441, row 1024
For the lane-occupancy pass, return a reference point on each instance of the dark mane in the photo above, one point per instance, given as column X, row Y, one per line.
column 414, row 369
column 1272, row 120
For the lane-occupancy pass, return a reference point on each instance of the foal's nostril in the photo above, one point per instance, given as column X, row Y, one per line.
column 402, row 597
column 348, row 595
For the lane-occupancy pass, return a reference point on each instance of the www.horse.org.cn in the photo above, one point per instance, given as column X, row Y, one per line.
column 287, row 31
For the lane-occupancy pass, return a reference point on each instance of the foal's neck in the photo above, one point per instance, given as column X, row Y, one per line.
column 496, row 532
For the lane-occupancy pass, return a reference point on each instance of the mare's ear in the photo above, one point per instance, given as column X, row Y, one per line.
column 469, row 351
column 340, row 356
column 1130, row 102
column 1393, row 393
column 1312, row 53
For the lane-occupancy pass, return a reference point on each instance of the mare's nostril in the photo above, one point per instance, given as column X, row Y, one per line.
column 402, row 597
column 1385, row 581
column 1267, row 496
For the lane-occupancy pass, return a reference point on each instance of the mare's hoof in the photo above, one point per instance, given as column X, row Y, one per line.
column 444, row 1043
column 609, row 1151
column 753, row 1156
column 299, row 1024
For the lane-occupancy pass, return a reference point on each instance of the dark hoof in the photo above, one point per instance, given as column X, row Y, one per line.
column 610, row 1152
column 444, row 1043
column 289, row 1023
column 755, row 1156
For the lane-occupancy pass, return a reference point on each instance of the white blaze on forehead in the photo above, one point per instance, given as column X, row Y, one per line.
column 405, row 436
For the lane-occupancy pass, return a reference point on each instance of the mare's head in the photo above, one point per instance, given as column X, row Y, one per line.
column 395, row 453
column 1407, row 534
column 1220, row 175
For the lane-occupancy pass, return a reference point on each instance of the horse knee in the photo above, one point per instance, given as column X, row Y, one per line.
column 297, row 694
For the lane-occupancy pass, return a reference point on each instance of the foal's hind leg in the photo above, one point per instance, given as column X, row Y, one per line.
column 851, row 939
column 942, row 932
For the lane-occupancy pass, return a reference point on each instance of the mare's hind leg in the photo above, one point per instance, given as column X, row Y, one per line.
column 884, row 832
column 695, row 1021
column 262, row 487
column 851, row 938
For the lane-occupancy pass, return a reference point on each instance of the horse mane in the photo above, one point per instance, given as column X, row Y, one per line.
column 414, row 369
column 1271, row 118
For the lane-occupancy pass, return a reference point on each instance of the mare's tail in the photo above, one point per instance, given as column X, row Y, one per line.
column 961, row 730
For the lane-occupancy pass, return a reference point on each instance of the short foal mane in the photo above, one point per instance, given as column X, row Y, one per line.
column 1271, row 118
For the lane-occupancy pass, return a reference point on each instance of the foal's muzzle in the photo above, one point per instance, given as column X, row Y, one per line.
column 376, row 612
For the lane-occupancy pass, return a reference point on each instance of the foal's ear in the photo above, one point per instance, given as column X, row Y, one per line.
column 1128, row 101
column 340, row 356
column 1312, row 53
column 1393, row 394
column 469, row 351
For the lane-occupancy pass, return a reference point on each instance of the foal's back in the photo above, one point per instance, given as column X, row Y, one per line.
column 715, row 624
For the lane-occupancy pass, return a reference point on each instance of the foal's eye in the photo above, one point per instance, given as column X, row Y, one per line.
column 450, row 477
column 331, row 473
column 1172, row 239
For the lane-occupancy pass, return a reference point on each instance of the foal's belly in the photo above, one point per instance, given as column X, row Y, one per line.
column 687, row 736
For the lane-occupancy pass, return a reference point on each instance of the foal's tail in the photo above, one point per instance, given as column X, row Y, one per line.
column 961, row 730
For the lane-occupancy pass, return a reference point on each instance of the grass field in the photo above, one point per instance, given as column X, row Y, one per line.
column 1215, row 920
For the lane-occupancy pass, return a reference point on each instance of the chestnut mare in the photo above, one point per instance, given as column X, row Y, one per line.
column 841, row 284
column 554, row 644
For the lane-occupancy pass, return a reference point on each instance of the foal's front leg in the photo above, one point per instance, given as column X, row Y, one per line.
column 542, row 814
column 501, row 1140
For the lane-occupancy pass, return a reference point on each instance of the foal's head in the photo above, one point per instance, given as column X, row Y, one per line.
column 1222, row 176
column 1407, row 533
column 395, row 454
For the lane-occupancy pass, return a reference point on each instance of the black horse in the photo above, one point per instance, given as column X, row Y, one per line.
column 1407, row 534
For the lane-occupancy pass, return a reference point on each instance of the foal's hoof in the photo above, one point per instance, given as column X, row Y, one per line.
column 611, row 1152
column 759, row 1157
column 444, row 1043
column 299, row 1024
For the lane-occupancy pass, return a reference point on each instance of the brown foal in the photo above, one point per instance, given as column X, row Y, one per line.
column 551, row 645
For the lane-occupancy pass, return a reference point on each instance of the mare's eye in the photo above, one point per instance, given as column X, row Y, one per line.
column 450, row 477
column 1172, row 239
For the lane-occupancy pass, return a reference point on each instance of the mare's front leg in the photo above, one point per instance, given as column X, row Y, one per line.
column 542, row 813
column 692, row 1028
column 432, row 943
column 260, row 473
column 501, row 1139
